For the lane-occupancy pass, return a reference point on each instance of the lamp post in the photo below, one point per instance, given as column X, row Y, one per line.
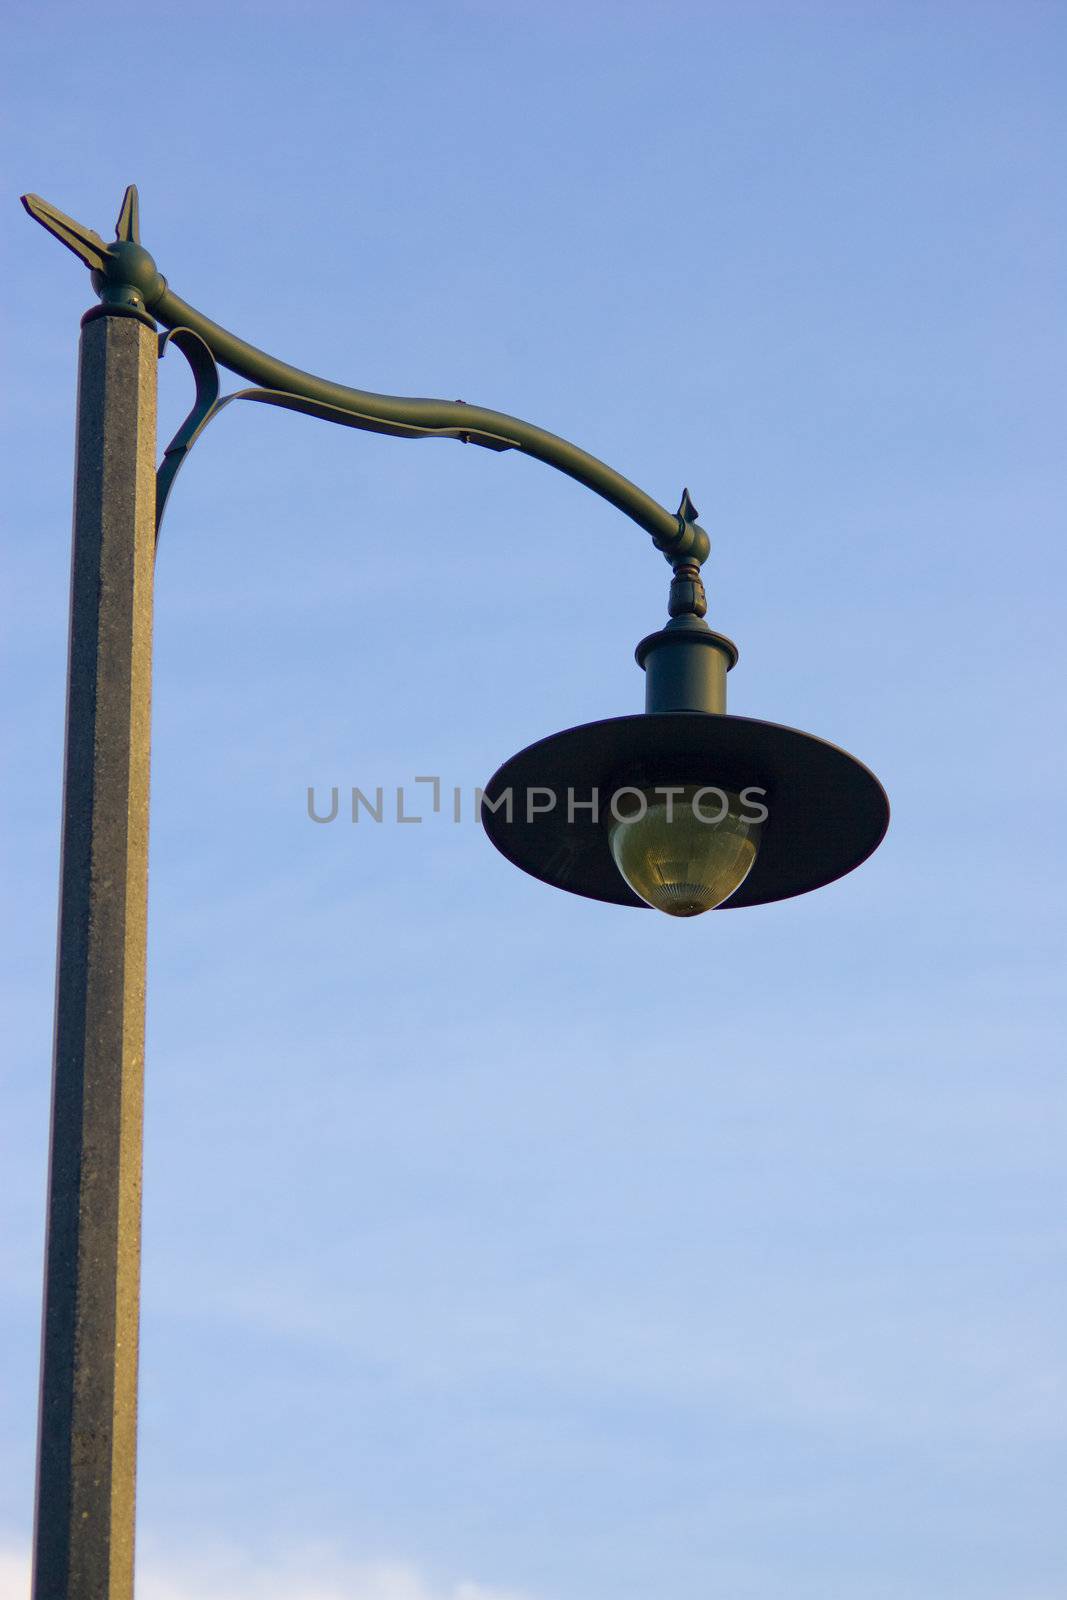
column 684, row 808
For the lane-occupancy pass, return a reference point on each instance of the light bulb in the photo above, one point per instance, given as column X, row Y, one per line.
column 684, row 851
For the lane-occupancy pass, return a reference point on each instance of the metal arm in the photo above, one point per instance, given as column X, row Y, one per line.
column 125, row 276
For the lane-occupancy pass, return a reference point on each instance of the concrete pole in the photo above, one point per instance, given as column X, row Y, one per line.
column 87, row 1443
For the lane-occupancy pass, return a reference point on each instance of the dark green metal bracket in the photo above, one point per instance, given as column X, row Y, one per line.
column 209, row 402
column 125, row 277
column 205, row 406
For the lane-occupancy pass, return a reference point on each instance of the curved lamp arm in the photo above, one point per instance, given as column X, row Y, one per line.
column 126, row 278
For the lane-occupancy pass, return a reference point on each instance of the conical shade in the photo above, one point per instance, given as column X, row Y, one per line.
column 825, row 811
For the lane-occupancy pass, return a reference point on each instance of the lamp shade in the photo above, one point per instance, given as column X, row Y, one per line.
column 551, row 809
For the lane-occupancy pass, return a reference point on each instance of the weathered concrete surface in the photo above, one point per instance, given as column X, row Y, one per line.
column 88, row 1419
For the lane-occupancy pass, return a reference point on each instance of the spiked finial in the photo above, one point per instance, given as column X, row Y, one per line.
column 86, row 245
column 123, row 274
column 690, row 544
column 686, row 509
column 128, row 227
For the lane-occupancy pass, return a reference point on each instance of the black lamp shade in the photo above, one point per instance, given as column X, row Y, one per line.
column 826, row 812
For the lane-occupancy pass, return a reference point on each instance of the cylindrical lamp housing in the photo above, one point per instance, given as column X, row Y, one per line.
column 685, row 667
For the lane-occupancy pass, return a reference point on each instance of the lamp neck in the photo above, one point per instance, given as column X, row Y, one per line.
column 687, row 596
column 686, row 663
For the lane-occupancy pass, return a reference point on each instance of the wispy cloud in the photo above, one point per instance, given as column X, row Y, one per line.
column 312, row 1574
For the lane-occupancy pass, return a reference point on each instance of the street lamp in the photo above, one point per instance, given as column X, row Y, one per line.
column 684, row 808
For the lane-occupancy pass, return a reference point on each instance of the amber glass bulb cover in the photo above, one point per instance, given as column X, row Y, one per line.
column 686, row 853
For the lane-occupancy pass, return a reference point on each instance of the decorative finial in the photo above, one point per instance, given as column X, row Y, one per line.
column 86, row 245
column 123, row 274
column 687, row 590
column 690, row 544
column 128, row 227
column 686, row 509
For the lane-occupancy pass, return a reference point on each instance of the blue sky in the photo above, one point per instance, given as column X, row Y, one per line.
column 501, row 1245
